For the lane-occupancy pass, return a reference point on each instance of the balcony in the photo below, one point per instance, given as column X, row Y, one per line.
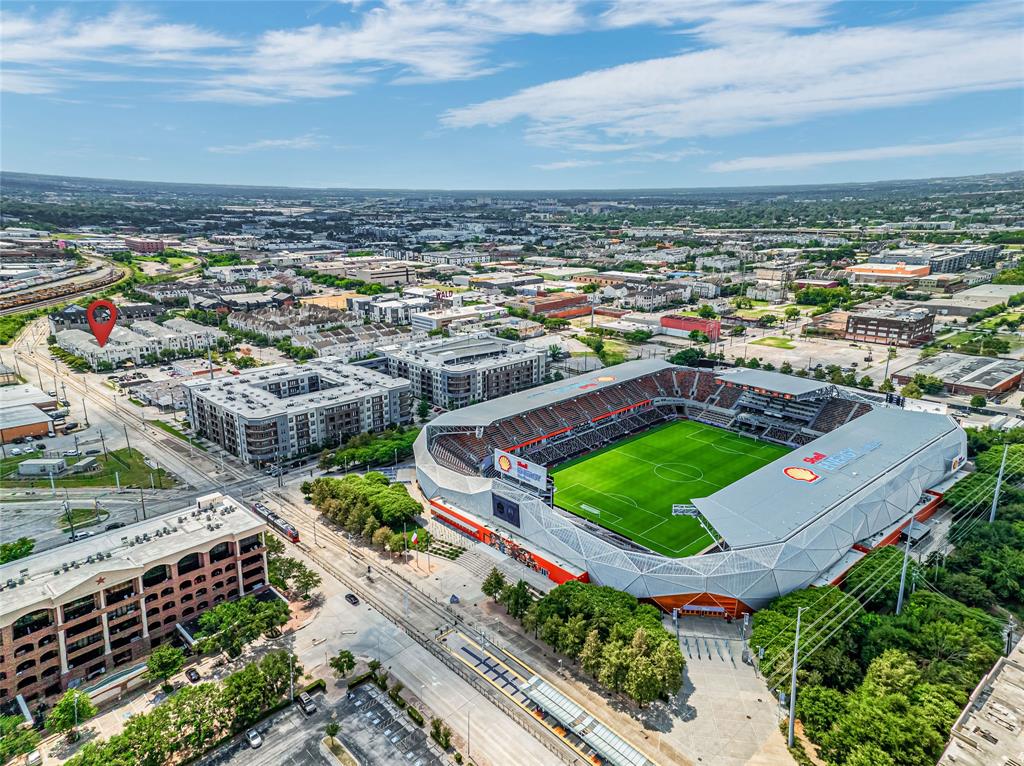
column 82, row 628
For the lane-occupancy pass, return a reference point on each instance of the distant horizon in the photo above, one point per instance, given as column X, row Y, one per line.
column 516, row 94
column 554, row 191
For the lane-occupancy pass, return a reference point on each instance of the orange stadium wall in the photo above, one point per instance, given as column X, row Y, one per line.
column 700, row 603
column 555, row 573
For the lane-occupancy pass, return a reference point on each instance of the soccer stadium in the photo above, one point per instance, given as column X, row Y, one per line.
column 710, row 491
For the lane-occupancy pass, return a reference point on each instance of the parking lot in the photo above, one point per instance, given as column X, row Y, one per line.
column 374, row 730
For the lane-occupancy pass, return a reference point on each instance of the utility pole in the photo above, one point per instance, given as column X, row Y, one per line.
column 792, row 680
column 999, row 485
column 142, row 499
column 85, row 413
column 291, row 676
column 103, row 444
column 903, row 572
column 71, row 520
column 127, row 439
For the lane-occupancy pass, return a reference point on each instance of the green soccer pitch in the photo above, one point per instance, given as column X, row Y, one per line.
column 630, row 487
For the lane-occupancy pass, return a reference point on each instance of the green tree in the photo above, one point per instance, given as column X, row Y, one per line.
column 15, row 738
column 164, row 662
column 978, row 401
column 706, row 312
column 18, row 549
column 331, row 730
column 517, row 598
column 792, row 312
column 69, row 712
column 493, row 584
column 642, row 682
column 343, row 663
column 591, row 654
column 912, row 391
column 573, row 636
column 615, row 662
column 229, row 626
column 306, row 581
column 423, row 409
column 668, row 662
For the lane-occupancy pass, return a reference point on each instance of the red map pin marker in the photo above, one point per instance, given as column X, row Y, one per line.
column 101, row 327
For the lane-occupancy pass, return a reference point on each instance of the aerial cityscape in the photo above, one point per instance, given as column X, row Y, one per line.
column 503, row 383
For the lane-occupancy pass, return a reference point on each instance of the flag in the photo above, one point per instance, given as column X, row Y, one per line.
column 415, row 538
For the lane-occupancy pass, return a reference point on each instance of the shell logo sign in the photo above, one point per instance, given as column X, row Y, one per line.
column 504, row 463
column 801, row 474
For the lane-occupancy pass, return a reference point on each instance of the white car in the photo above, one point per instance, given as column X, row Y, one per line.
column 15, row 451
column 253, row 738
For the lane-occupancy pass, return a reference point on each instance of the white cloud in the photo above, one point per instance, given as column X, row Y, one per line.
column 308, row 141
column 775, row 77
column 802, row 160
column 567, row 164
column 404, row 40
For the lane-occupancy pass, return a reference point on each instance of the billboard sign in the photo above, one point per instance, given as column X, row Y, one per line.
column 517, row 468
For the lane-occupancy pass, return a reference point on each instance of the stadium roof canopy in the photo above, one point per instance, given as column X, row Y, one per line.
column 769, row 505
column 789, row 386
column 486, row 413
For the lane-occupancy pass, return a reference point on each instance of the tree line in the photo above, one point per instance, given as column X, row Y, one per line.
column 196, row 717
column 371, row 506
column 614, row 638
column 879, row 689
column 373, row 449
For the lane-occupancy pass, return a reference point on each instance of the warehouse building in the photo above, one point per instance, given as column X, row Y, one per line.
column 75, row 613
column 968, row 375
column 288, row 410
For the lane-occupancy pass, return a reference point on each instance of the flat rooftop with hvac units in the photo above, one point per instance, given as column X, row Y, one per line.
column 711, row 491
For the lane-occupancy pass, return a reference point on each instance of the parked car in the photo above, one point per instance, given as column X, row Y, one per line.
column 92, row 452
column 191, row 674
column 79, row 536
column 70, row 426
column 71, row 453
column 115, row 525
column 15, row 451
column 52, row 393
column 352, row 599
column 253, row 738
column 306, row 703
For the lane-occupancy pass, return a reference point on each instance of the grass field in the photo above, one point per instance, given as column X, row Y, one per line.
column 774, row 342
column 631, row 486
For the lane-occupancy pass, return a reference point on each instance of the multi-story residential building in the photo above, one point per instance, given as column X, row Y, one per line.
column 891, row 326
column 391, row 307
column 442, row 318
column 288, row 321
column 287, row 410
column 455, row 257
column 941, row 259
column 455, row 372
column 767, row 292
column 72, row 614
column 651, row 297
column 357, row 341
column 73, row 317
column 142, row 339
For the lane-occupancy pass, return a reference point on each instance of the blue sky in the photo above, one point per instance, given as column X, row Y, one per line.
column 531, row 94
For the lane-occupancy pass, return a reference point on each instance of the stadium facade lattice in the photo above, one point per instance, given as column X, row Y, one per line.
column 856, row 473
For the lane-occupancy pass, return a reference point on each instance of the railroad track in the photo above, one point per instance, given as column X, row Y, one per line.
column 55, row 295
